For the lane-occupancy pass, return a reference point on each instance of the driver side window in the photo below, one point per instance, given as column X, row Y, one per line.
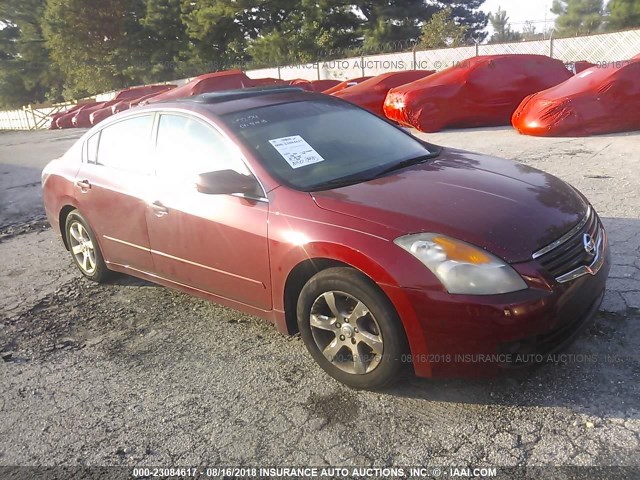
column 186, row 147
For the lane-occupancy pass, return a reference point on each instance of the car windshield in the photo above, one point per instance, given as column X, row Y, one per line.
column 319, row 144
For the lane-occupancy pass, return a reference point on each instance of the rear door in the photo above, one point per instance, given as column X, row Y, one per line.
column 214, row 243
column 112, row 190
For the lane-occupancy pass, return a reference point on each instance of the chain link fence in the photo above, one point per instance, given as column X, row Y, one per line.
column 600, row 49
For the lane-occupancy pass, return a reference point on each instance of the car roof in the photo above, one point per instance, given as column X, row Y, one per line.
column 230, row 101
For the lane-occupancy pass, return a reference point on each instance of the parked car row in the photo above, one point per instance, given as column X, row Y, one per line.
column 537, row 94
column 91, row 113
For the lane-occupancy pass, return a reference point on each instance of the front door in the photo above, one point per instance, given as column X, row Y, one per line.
column 214, row 243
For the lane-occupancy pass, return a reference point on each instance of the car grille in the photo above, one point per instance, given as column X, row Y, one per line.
column 568, row 255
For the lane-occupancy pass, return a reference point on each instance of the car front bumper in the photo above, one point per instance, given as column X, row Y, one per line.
column 465, row 335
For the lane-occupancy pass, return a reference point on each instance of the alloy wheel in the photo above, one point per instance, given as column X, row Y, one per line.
column 346, row 332
column 82, row 248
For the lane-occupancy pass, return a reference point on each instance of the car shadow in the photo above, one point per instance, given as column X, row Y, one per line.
column 124, row 280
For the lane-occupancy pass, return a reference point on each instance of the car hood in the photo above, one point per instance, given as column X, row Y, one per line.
column 508, row 208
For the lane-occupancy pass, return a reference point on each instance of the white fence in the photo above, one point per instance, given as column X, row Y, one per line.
column 602, row 48
column 30, row 118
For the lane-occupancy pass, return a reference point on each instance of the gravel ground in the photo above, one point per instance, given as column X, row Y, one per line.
column 131, row 373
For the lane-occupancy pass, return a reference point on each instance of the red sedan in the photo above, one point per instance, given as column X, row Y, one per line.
column 380, row 249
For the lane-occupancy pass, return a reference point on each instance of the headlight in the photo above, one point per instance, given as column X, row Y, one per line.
column 462, row 268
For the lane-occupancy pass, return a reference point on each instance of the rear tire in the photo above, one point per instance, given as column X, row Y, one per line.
column 84, row 248
column 351, row 329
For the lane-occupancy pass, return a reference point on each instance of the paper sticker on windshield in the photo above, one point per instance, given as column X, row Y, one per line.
column 296, row 151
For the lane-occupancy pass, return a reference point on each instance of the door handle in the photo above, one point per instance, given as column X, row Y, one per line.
column 84, row 185
column 159, row 209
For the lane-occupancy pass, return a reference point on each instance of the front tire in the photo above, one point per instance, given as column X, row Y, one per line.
column 351, row 329
column 84, row 248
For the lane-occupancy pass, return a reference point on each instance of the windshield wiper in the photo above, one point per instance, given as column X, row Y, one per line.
column 338, row 182
column 405, row 163
column 362, row 177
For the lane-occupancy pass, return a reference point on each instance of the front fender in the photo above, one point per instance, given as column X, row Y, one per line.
column 58, row 191
column 293, row 241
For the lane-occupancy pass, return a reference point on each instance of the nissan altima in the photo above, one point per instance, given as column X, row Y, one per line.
column 381, row 250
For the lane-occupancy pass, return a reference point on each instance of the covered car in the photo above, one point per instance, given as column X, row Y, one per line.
column 371, row 93
column 603, row 99
column 210, row 82
column 82, row 118
column 137, row 92
column 322, row 85
column 314, row 85
column 97, row 116
column 482, row 91
column 124, row 102
column 267, row 81
column 346, row 84
column 54, row 118
column 127, row 104
column 300, row 83
column 581, row 66
column 103, row 113
column 66, row 120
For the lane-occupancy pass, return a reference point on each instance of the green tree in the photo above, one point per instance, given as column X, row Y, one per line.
column 390, row 24
column 216, row 35
column 26, row 74
column 165, row 38
column 467, row 13
column 97, row 44
column 623, row 14
column 577, row 17
column 307, row 30
column 502, row 28
column 442, row 31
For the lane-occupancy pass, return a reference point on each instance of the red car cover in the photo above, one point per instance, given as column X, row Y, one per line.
column 211, row 82
column 55, row 117
column 82, row 118
column 137, row 92
column 581, row 66
column 124, row 101
column 313, row 85
column 482, row 91
column 66, row 120
column 304, row 84
column 120, row 106
column 103, row 113
column 346, row 84
column 259, row 82
column 322, row 85
column 371, row 93
column 603, row 99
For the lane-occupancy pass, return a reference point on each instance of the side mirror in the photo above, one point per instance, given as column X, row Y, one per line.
column 226, row 182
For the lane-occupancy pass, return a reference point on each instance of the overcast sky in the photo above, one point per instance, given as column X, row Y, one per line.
column 519, row 11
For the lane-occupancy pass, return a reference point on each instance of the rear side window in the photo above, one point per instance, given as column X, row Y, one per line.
column 186, row 147
column 92, row 148
column 125, row 145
